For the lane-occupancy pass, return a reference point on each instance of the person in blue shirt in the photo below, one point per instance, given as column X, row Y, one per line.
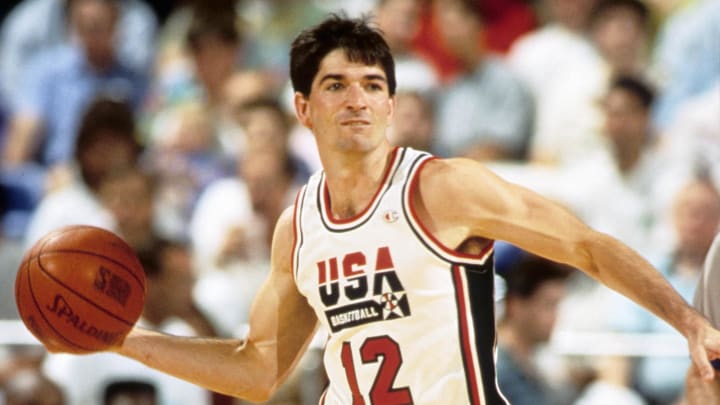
column 534, row 289
column 58, row 85
column 32, row 26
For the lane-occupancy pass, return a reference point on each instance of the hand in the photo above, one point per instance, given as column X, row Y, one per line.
column 698, row 391
column 704, row 345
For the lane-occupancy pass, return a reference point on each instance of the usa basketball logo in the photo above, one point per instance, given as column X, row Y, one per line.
column 354, row 292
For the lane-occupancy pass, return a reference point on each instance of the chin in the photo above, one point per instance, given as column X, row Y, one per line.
column 358, row 143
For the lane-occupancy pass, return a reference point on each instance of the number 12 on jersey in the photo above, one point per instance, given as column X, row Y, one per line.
column 382, row 390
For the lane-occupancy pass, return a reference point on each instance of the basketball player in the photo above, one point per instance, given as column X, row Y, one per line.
column 707, row 302
column 391, row 251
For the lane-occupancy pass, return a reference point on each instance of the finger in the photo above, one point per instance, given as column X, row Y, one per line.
column 701, row 361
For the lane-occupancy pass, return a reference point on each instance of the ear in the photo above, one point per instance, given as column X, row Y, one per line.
column 302, row 110
column 392, row 101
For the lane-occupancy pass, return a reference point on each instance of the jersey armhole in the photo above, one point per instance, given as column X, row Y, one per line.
column 423, row 233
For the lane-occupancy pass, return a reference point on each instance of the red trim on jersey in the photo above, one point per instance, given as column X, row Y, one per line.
column 426, row 232
column 343, row 221
column 295, row 227
column 467, row 345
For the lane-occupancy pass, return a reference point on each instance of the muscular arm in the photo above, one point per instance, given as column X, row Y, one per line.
column 460, row 199
column 281, row 327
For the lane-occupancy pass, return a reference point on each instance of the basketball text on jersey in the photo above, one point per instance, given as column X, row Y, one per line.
column 360, row 288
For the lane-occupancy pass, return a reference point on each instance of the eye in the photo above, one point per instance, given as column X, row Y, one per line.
column 334, row 86
column 375, row 86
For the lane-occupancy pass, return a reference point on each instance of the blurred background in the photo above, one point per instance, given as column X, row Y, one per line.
column 171, row 123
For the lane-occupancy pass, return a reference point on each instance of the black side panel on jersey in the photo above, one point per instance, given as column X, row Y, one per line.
column 480, row 287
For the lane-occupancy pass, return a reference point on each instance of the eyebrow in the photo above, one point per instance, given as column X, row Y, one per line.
column 336, row 76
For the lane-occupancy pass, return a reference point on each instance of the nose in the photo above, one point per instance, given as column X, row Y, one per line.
column 356, row 97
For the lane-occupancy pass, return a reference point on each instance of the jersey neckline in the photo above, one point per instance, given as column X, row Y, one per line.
column 341, row 224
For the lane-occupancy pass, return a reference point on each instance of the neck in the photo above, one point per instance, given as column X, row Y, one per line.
column 690, row 258
column 101, row 64
column 471, row 61
column 514, row 342
column 627, row 156
column 352, row 178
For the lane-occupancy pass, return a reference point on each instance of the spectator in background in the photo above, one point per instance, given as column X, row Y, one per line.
column 169, row 304
column 212, row 43
column 129, row 194
column 31, row 387
column 693, row 137
column 633, row 182
column 413, row 124
column 130, row 393
column 486, row 112
column 60, row 83
column 185, row 161
column 631, row 190
column 106, row 142
column 534, row 289
column 399, row 21
column 538, row 56
column 686, row 57
column 34, row 26
column 241, row 88
column 270, row 26
column 568, row 126
column 231, row 227
column 696, row 220
column 187, row 116
column 58, row 86
column 504, row 21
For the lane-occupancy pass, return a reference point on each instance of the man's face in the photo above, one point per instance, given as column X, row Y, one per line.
column 696, row 215
column 626, row 119
column 349, row 106
column 93, row 23
column 537, row 313
column 413, row 125
column 214, row 60
column 620, row 36
column 399, row 21
column 458, row 29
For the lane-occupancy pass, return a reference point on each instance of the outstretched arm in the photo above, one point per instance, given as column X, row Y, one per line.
column 460, row 199
column 281, row 327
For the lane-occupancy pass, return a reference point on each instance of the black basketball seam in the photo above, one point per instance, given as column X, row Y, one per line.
column 83, row 297
column 62, row 231
column 42, row 314
column 42, row 268
column 85, row 252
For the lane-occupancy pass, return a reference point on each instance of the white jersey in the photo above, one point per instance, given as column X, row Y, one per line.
column 410, row 321
column 706, row 298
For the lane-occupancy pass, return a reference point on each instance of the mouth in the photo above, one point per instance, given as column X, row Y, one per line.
column 355, row 123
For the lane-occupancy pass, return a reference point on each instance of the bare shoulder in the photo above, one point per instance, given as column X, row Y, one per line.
column 448, row 183
column 283, row 240
column 455, row 198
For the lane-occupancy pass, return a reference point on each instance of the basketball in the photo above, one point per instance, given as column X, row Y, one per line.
column 80, row 289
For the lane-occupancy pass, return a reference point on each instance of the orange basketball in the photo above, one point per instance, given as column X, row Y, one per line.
column 80, row 289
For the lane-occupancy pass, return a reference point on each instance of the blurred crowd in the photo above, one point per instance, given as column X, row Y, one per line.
column 171, row 123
